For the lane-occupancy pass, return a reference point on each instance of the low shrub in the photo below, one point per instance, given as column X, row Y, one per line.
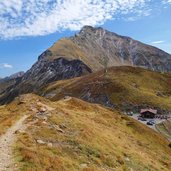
column 170, row 145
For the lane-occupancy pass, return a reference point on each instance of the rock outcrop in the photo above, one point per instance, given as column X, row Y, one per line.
column 43, row 72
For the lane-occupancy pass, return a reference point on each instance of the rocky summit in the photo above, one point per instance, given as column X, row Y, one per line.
column 99, row 48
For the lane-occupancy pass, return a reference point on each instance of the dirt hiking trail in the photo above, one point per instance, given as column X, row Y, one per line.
column 7, row 140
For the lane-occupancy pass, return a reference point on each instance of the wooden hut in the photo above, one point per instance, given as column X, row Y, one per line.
column 148, row 113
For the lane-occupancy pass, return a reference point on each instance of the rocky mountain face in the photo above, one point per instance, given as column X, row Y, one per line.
column 91, row 50
column 8, row 83
column 16, row 75
column 43, row 72
column 99, row 48
column 13, row 76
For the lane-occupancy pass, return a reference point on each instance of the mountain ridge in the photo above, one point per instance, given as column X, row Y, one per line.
column 125, row 88
column 91, row 50
column 103, row 47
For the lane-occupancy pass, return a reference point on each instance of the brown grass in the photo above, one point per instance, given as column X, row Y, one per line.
column 8, row 115
column 68, row 49
column 93, row 136
column 126, row 86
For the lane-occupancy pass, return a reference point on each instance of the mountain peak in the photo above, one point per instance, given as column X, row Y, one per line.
column 87, row 28
column 97, row 47
column 90, row 30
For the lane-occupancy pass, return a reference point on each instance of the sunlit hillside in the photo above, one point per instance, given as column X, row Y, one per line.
column 71, row 134
column 127, row 88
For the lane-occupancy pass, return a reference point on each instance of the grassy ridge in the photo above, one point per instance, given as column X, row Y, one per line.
column 127, row 87
column 78, row 135
column 68, row 49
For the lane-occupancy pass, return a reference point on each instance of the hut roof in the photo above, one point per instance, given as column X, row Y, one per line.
column 148, row 110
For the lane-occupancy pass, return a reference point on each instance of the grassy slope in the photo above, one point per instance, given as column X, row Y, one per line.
column 165, row 128
column 9, row 114
column 87, row 135
column 124, row 85
column 68, row 49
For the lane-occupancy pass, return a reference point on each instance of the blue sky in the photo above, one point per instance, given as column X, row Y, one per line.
column 27, row 28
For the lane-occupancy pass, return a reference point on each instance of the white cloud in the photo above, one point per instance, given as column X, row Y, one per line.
column 6, row 65
column 158, row 42
column 167, row 1
column 41, row 17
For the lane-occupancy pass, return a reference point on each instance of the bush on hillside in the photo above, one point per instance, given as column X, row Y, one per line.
column 170, row 145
